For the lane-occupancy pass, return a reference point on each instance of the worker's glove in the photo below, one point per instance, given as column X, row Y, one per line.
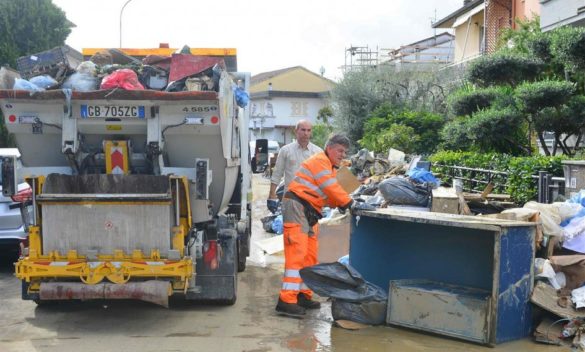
column 361, row 206
column 343, row 209
column 272, row 205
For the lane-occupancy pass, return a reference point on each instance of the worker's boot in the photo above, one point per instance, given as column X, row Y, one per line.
column 291, row 309
column 306, row 303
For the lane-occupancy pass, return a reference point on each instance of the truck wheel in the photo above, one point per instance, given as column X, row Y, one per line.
column 241, row 257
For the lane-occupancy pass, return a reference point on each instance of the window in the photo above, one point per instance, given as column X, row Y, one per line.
column 299, row 108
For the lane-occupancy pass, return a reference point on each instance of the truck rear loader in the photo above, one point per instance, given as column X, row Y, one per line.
column 136, row 194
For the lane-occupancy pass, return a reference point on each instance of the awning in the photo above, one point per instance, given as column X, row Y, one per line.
column 467, row 15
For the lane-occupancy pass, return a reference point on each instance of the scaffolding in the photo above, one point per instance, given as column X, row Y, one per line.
column 357, row 57
column 438, row 49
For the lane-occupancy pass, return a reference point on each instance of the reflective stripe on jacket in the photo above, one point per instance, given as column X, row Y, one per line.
column 316, row 183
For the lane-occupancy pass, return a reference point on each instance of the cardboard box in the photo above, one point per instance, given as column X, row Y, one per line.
column 445, row 200
column 333, row 240
column 347, row 180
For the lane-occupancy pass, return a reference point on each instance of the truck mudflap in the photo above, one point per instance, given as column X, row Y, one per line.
column 153, row 291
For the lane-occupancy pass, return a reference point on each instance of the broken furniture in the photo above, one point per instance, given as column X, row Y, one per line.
column 434, row 260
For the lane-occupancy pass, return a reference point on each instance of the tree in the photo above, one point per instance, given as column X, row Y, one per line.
column 321, row 133
column 26, row 27
column 360, row 92
column 324, row 114
column 520, row 39
column 30, row 26
column 404, row 129
column 534, row 83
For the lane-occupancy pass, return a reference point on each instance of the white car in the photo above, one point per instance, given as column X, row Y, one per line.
column 13, row 231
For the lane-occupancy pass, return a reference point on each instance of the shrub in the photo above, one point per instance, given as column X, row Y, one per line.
column 466, row 101
column 519, row 184
column 503, row 69
column 421, row 136
column 535, row 96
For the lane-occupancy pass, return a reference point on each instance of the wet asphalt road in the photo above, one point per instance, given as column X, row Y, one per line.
column 249, row 325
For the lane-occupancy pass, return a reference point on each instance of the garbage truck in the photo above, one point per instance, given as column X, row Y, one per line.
column 136, row 194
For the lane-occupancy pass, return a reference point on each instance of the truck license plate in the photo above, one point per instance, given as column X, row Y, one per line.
column 124, row 111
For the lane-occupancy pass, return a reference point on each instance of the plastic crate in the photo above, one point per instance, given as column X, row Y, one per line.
column 55, row 62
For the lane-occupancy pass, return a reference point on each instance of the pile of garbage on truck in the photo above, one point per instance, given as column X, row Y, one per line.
column 65, row 68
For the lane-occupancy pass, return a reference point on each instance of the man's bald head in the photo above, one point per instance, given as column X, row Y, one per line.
column 303, row 132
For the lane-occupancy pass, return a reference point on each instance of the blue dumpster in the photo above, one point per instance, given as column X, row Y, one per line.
column 474, row 274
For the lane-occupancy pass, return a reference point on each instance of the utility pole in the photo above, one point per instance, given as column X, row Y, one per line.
column 122, row 11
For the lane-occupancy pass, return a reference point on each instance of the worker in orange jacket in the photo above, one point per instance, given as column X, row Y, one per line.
column 314, row 186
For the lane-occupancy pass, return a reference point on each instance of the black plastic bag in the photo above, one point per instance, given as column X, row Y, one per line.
column 370, row 312
column 267, row 222
column 400, row 191
column 353, row 298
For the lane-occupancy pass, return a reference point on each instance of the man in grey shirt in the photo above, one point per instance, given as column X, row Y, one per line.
column 289, row 160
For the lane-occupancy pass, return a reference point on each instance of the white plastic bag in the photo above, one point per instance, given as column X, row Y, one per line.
column 543, row 269
column 82, row 82
column 87, row 67
column 23, row 84
column 550, row 217
column 43, row 81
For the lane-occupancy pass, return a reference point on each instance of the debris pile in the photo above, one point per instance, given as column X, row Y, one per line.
column 64, row 68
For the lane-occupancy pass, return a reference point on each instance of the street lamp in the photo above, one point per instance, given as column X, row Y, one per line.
column 121, row 11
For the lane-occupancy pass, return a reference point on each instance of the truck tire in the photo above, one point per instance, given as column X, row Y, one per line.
column 244, row 242
column 241, row 257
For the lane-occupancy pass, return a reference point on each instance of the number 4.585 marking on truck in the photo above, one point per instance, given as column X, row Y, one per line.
column 201, row 108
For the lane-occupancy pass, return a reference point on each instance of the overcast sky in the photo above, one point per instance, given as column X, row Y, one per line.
column 268, row 34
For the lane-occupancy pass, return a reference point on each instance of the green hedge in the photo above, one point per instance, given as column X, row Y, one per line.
column 519, row 184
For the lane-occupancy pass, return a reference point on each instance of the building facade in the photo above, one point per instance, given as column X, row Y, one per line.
column 558, row 13
column 279, row 99
column 478, row 24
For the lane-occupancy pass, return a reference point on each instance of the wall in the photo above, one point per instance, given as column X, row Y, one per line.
column 281, row 115
column 473, row 39
column 560, row 12
column 295, row 80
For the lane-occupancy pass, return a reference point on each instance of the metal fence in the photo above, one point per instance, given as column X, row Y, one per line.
column 475, row 180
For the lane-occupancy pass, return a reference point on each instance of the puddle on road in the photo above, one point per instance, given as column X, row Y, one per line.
column 319, row 334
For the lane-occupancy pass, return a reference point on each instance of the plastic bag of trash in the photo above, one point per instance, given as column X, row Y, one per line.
column 43, row 81
column 267, row 223
column 353, row 298
column 400, row 191
column 420, row 175
column 277, row 225
column 122, row 78
column 81, row 81
column 23, row 84
column 371, row 313
column 242, row 98
column 87, row 67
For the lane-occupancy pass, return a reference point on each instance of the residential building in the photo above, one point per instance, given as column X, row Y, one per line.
column 478, row 24
column 558, row 13
column 279, row 99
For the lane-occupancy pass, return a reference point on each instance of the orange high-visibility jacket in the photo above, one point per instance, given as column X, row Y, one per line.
column 316, row 183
